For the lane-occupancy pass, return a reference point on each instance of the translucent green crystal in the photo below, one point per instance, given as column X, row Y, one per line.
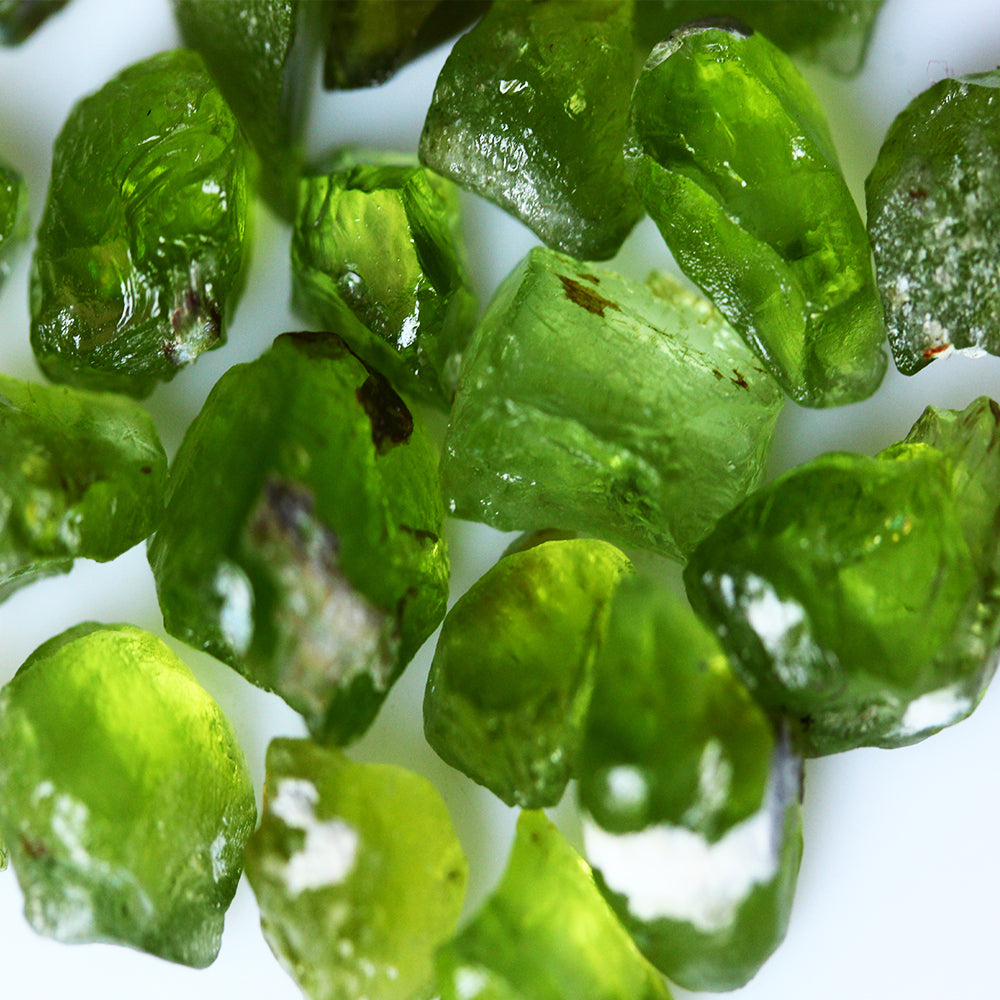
column 13, row 216
column 377, row 256
column 20, row 18
column 141, row 246
column 125, row 799
column 545, row 933
column 530, row 111
column 301, row 543
column 690, row 797
column 858, row 595
column 512, row 673
column 358, row 873
column 732, row 157
column 605, row 406
column 81, row 475
column 933, row 198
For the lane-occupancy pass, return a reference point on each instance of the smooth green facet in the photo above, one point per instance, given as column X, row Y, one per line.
column 301, row 543
column 934, row 217
column 732, row 157
column 690, row 797
column 81, row 475
column 358, row 874
column 141, row 247
column 530, row 112
column 20, row 18
column 125, row 799
column 545, row 933
column 512, row 673
column 13, row 216
column 378, row 257
column 592, row 403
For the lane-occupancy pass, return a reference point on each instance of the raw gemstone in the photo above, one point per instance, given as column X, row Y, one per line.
column 141, row 246
column 530, row 112
column 596, row 404
column 378, row 257
column 20, row 18
column 545, row 933
column 690, row 796
column 731, row 155
column 125, row 799
column 934, row 218
column 13, row 216
column 358, row 873
column 302, row 540
column 512, row 673
column 81, row 475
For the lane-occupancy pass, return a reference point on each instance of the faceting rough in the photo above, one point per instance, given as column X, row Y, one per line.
column 20, row 18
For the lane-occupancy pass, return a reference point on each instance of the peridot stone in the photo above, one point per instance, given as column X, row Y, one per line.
column 302, row 540
column 732, row 157
column 934, row 218
column 125, row 800
column 690, row 796
column 512, row 673
column 141, row 246
column 530, row 111
column 545, row 933
column 358, row 873
column 13, row 216
column 596, row 404
column 20, row 18
column 81, row 475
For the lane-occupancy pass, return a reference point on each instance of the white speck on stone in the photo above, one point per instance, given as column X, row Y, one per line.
column 217, row 854
column 934, row 710
column 469, row 983
column 236, row 612
column 627, row 786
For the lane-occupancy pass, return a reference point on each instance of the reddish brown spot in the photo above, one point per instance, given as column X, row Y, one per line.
column 34, row 848
column 420, row 534
column 589, row 277
column 718, row 374
column 392, row 422
column 585, row 298
column 933, row 352
column 740, row 382
column 146, row 469
column 918, row 193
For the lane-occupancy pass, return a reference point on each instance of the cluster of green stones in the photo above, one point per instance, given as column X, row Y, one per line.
column 299, row 536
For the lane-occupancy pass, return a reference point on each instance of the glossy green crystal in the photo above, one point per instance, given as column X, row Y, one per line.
column 512, row 673
column 378, row 257
column 301, row 542
column 13, row 216
column 81, row 475
column 596, row 404
column 933, row 199
column 690, row 797
column 545, row 933
column 125, row 799
column 140, row 249
column 358, row 873
column 732, row 157
column 859, row 595
column 20, row 18
column 530, row 111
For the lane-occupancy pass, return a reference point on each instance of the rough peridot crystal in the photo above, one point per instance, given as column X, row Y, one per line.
column 125, row 800
column 732, row 157
column 141, row 246
column 358, row 873
column 20, row 18
column 13, row 216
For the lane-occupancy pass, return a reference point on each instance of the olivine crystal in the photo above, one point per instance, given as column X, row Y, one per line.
column 13, row 216
column 858, row 595
column 358, row 873
column 141, row 246
column 510, row 682
column 125, row 799
column 545, row 933
column 81, row 474
column 592, row 403
column 530, row 112
column 732, row 157
column 933, row 199
column 301, row 542
column 20, row 18
column 690, row 796
column 377, row 256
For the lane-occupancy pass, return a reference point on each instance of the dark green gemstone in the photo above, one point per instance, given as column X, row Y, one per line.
column 20, row 18
column 13, row 216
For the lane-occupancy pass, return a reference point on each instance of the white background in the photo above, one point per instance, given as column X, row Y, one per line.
column 900, row 882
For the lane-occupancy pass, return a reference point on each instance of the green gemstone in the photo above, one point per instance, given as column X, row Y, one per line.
column 732, row 157
column 81, row 475
column 530, row 112
column 545, row 933
column 20, row 18
column 358, row 873
column 378, row 257
column 141, row 247
column 690, row 797
column 631, row 412
column 512, row 673
column 13, row 216
column 302, row 543
column 124, row 797
column 933, row 198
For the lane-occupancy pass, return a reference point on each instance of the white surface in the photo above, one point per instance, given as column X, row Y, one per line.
column 899, row 883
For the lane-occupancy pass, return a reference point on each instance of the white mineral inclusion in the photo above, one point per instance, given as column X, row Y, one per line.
column 236, row 611
column 715, row 775
column 934, row 710
column 470, row 983
column 627, row 786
